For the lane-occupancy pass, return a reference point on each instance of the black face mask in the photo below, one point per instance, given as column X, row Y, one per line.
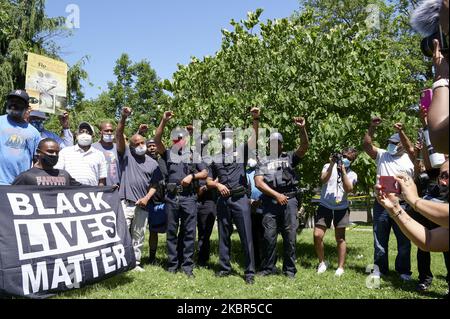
column 16, row 115
column 49, row 160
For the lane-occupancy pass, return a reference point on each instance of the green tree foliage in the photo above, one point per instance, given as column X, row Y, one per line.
column 137, row 85
column 24, row 27
column 335, row 72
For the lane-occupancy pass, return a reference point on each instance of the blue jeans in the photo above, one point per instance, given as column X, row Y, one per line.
column 382, row 225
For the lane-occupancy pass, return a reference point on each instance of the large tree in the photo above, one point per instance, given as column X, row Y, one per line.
column 25, row 27
column 338, row 73
column 138, row 86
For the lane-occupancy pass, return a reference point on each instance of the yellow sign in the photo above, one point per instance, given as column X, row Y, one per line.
column 46, row 82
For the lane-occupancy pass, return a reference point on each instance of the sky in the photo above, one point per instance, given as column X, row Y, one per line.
column 165, row 33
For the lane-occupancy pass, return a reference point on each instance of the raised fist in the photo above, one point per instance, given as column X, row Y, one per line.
column 256, row 113
column 126, row 112
column 168, row 116
column 376, row 121
column 300, row 121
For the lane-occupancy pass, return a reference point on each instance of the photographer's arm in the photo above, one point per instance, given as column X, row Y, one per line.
column 438, row 113
column 438, row 213
column 347, row 183
column 435, row 240
column 427, row 240
column 325, row 176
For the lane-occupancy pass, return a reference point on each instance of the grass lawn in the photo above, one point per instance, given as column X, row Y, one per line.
column 156, row 283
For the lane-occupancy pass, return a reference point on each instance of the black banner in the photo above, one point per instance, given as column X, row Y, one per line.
column 54, row 239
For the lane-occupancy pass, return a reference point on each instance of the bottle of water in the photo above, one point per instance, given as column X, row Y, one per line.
column 436, row 159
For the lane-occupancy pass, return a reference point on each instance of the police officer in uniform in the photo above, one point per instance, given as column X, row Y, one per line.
column 157, row 218
column 228, row 176
column 206, row 218
column 181, row 199
column 275, row 177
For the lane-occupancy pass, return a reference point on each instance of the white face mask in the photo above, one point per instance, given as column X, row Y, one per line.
column 252, row 163
column 228, row 143
column 140, row 151
column 108, row 138
column 392, row 149
column 84, row 139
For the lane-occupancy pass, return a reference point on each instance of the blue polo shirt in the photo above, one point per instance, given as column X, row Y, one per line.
column 18, row 144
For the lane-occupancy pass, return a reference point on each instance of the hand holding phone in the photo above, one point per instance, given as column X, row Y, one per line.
column 389, row 185
column 425, row 99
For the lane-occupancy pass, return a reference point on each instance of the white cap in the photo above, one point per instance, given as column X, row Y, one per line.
column 39, row 114
column 395, row 138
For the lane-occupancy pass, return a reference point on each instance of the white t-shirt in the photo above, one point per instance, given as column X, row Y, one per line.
column 333, row 195
column 86, row 168
column 388, row 165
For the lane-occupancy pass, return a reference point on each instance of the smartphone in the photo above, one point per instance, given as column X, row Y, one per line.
column 390, row 185
column 425, row 99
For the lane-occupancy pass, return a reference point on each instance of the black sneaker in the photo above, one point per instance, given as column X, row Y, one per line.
column 222, row 274
column 189, row 274
column 265, row 273
column 152, row 259
column 289, row 275
column 423, row 286
column 250, row 280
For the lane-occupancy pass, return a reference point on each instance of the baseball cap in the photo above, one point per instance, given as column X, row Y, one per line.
column 20, row 94
column 179, row 134
column 39, row 114
column 150, row 141
column 277, row 136
column 395, row 138
column 86, row 125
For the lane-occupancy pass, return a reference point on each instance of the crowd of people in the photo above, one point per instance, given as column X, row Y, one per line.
column 180, row 193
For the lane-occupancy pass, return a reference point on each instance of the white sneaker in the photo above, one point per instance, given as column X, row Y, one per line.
column 323, row 266
column 405, row 277
column 339, row 272
column 138, row 269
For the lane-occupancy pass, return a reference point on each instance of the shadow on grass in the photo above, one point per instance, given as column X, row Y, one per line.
column 394, row 279
column 109, row 284
column 305, row 253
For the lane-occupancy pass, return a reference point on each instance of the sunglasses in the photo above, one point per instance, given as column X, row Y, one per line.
column 443, row 175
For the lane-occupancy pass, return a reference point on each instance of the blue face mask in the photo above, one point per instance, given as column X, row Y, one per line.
column 346, row 162
column 38, row 125
column 392, row 149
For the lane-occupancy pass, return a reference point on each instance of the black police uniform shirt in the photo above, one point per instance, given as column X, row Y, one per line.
column 40, row 177
column 272, row 169
column 160, row 189
column 180, row 164
column 232, row 174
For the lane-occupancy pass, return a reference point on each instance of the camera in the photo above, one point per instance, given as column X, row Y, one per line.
column 427, row 45
column 337, row 158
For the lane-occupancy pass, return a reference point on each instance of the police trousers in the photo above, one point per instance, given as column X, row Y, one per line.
column 206, row 218
column 237, row 210
column 280, row 219
column 181, row 223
